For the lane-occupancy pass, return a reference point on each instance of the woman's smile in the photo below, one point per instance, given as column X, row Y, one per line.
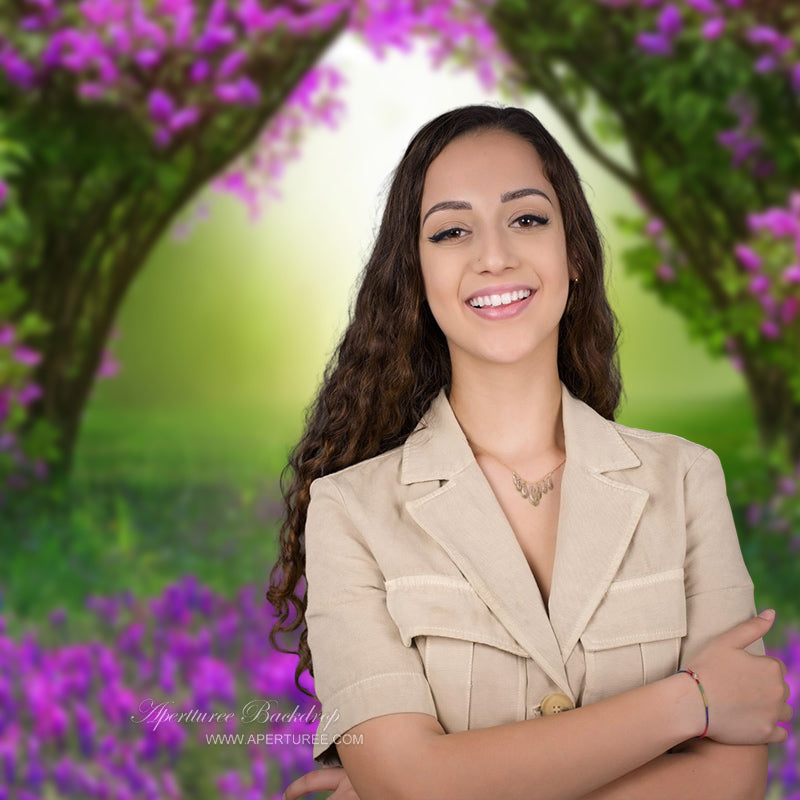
column 500, row 302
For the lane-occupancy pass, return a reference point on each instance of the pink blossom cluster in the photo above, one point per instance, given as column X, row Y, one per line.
column 776, row 234
column 669, row 256
column 456, row 29
column 772, row 50
column 99, row 719
column 254, row 175
column 175, row 62
column 743, row 140
column 18, row 391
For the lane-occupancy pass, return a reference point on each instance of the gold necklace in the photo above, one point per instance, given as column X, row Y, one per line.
column 529, row 491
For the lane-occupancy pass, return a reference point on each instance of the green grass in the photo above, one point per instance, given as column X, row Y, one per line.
column 109, row 537
column 153, row 495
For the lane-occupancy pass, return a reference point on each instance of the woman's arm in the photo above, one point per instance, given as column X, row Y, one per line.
column 569, row 755
column 702, row 770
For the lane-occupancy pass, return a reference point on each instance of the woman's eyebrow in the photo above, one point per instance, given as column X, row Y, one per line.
column 462, row 205
column 517, row 193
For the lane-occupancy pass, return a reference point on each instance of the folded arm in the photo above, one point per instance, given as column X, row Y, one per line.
column 701, row 770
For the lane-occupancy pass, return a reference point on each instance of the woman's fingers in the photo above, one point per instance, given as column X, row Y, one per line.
column 326, row 779
column 779, row 735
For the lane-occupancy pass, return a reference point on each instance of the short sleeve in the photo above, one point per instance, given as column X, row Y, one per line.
column 719, row 590
column 362, row 669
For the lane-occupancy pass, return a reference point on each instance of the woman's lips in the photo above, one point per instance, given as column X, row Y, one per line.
column 505, row 311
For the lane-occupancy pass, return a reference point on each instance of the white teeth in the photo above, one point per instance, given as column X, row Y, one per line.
column 499, row 299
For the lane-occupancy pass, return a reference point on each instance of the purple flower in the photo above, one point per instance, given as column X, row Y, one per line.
column 769, row 37
column 161, row 105
column 654, row 43
column 792, row 274
column 17, row 69
column 759, row 284
column 768, row 303
column 3, row 192
column 666, row 273
column 770, row 329
column 25, row 355
column 29, row 393
column 148, row 58
column 199, row 71
column 747, row 257
column 703, row 6
column 213, row 38
column 776, row 220
column 670, row 22
column 231, row 64
column 655, row 227
column 184, row 118
column 789, row 310
column 713, row 28
column 109, row 367
column 767, row 63
column 243, row 91
column 7, row 336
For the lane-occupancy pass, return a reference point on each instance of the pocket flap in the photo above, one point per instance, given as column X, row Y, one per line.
column 437, row 605
column 635, row 610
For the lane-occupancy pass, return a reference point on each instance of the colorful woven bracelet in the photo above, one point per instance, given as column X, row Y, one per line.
column 692, row 674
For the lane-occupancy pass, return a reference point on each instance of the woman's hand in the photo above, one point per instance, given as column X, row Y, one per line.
column 326, row 779
column 747, row 694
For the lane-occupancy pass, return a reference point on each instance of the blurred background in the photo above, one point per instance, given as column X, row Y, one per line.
column 171, row 288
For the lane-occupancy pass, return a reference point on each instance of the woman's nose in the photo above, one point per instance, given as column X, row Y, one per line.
column 494, row 251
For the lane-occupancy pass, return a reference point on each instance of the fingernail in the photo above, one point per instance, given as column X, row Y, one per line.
column 768, row 613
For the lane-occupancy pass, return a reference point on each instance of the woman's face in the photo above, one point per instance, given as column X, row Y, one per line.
column 493, row 251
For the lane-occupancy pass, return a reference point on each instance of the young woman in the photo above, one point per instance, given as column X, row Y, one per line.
column 502, row 582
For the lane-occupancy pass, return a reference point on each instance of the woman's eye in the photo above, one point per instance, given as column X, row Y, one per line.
column 531, row 220
column 450, row 233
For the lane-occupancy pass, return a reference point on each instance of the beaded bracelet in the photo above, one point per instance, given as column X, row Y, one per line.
column 692, row 674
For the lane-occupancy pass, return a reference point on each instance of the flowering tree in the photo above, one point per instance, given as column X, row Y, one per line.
column 705, row 94
column 125, row 109
column 115, row 113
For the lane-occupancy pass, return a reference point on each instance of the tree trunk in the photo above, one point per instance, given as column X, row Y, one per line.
column 94, row 226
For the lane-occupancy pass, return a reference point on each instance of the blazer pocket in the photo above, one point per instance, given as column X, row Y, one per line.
column 634, row 636
column 475, row 668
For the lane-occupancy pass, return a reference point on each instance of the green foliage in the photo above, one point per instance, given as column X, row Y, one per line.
column 13, row 221
column 105, row 538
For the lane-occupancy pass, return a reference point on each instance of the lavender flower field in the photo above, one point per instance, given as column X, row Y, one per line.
column 181, row 696
column 178, row 696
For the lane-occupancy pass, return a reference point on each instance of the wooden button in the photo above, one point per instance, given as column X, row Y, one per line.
column 556, row 703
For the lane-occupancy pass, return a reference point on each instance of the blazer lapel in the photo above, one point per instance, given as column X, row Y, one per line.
column 597, row 518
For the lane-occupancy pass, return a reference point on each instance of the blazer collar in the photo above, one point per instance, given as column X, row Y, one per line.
column 438, row 448
column 597, row 517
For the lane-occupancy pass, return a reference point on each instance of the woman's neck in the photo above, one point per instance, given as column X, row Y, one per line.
column 515, row 415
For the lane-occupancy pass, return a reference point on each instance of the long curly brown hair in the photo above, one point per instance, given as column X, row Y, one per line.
column 393, row 359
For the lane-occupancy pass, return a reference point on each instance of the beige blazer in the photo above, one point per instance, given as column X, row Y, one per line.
column 421, row 599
